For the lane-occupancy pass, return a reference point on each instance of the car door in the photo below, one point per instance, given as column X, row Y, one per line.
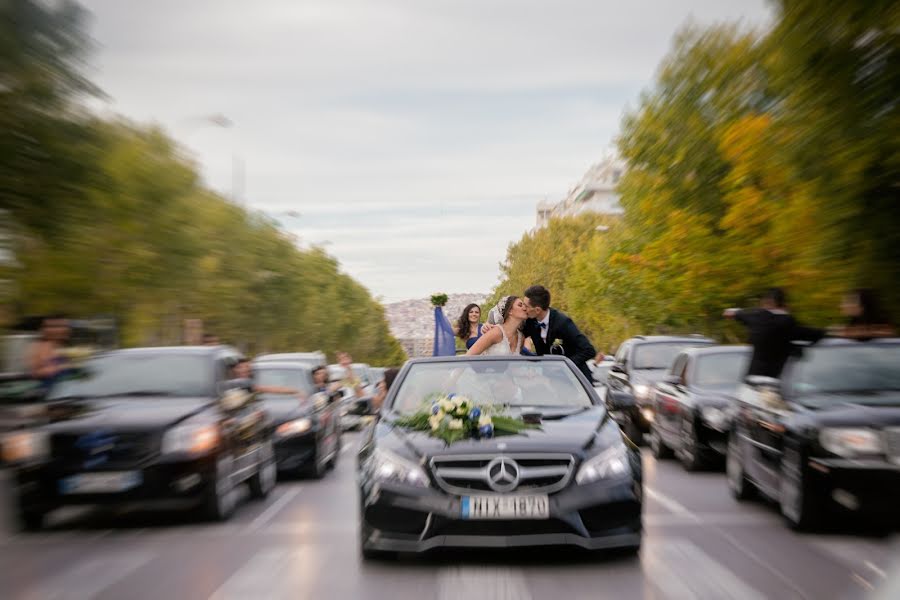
column 762, row 418
column 617, row 380
column 669, row 401
column 244, row 426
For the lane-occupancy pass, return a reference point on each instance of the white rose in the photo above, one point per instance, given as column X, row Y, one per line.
column 435, row 421
column 485, row 420
column 456, row 424
column 447, row 405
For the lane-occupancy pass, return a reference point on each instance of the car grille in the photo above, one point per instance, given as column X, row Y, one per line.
column 892, row 443
column 104, row 450
column 538, row 473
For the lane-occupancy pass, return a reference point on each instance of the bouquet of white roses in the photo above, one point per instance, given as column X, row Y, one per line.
column 453, row 417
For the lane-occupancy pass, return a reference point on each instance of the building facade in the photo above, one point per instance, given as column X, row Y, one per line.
column 595, row 193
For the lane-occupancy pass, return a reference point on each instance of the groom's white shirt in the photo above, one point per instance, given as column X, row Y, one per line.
column 546, row 325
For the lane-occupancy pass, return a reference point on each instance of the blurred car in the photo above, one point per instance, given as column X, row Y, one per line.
column 378, row 374
column 148, row 427
column 639, row 363
column 306, row 425
column 692, row 405
column 574, row 481
column 356, row 410
column 825, row 437
column 312, row 359
column 22, row 402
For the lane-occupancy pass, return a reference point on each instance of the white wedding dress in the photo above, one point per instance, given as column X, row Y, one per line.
column 502, row 347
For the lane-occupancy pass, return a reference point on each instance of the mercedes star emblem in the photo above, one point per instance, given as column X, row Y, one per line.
column 503, row 474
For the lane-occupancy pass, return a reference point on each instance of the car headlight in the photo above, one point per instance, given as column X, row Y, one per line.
column 193, row 439
column 386, row 466
column 25, row 446
column 846, row 441
column 609, row 463
column 648, row 414
column 641, row 391
column 295, row 427
column 715, row 417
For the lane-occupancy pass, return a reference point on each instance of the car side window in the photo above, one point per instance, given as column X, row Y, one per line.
column 685, row 370
column 622, row 354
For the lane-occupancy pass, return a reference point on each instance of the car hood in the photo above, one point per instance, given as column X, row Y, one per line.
column 283, row 409
column 856, row 414
column 571, row 434
column 647, row 376
column 129, row 413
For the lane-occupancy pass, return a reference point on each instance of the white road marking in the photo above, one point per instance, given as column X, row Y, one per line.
column 672, row 566
column 861, row 581
column 274, row 573
column 869, row 565
column 89, row 578
column 270, row 512
column 669, row 503
column 482, row 583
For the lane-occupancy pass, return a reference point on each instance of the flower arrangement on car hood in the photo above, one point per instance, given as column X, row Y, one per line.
column 453, row 417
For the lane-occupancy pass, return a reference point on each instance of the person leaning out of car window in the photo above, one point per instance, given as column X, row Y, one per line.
column 349, row 380
column 242, row 370
column 864, row 317
column 46, row 360
column 382, row 389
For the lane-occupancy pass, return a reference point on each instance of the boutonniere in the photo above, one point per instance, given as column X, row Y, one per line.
column 557, row 346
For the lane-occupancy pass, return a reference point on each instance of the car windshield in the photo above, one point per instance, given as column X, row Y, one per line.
column 725, row 369
column 867, row 370
column 283, row 377
column 510, row 383
column 659, row 355
column 141, row 374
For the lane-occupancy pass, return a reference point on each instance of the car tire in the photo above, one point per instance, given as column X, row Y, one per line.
column 690, row 454
column 801, row 510
column 263, row 481
column 633, row 432
column 741, row 487
column 31, row 520
column 221, row 499
column 319, row 467
column 657, row 446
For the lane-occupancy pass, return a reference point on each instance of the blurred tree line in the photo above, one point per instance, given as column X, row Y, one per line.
column 107, row 217
column 756, row 159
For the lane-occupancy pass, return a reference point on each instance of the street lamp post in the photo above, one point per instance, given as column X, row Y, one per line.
column 238, row 166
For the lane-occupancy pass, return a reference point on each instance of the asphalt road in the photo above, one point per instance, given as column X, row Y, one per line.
column 301, row 543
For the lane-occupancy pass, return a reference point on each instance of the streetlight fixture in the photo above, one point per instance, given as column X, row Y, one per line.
column 237, row 162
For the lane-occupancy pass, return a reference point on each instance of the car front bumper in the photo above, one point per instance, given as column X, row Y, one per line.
column 595, row 516
column 161, row 484
column 869, row 487
column 296, row 452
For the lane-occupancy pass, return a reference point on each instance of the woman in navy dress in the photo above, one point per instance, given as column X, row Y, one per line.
column 468, row 327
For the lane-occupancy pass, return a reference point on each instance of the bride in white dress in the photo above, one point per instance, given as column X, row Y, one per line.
column 506, row 339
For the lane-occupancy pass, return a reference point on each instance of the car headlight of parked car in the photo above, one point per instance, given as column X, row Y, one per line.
column 295, row 427
column 385, row 466
column 191, row 439
column 716, row 418
column 851, row 441
column 26, row 446
column 609, row 463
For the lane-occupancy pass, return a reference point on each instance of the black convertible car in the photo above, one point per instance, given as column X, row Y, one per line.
column 148, row 427
column 824, row 437
column 572, row 479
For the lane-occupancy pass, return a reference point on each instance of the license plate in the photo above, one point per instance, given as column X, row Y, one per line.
column 505, row 507
column 99, row 483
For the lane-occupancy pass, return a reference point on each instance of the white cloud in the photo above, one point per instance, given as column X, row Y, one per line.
column 416, row 137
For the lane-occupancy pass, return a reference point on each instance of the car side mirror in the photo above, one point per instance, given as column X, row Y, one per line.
column 673, row 380
column 235, row 394
column 617, row 401
column 617, row 369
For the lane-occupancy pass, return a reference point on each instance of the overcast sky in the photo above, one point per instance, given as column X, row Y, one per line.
column 413, row 137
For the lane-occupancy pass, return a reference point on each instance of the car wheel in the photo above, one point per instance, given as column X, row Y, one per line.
column 689, row 453
column 801, row 510
column 657, row 446
column 741, row 487
column 263, row 481
column 319, row 466
column 633, row 431
column 222, row 496
column 31, row 520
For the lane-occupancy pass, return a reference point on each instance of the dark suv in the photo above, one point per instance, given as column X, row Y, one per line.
column 641, row 362
column 152, row 427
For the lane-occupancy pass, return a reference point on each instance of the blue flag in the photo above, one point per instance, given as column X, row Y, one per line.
column 444, row 340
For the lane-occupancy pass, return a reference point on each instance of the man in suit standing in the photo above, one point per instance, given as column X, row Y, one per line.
column 552, row 332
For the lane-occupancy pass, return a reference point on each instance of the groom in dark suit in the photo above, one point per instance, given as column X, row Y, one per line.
column 552, row 332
